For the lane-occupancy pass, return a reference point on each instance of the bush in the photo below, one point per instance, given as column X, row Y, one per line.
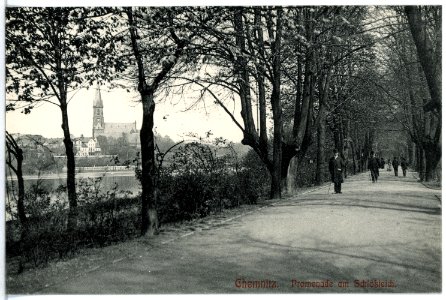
column 103, row 218
column 254, row 178
column 189, row 186
column 201, row 180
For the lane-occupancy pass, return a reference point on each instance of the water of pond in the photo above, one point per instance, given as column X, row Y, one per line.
column 125, row 181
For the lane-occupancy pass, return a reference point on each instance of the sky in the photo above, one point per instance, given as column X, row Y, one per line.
column 121, row 106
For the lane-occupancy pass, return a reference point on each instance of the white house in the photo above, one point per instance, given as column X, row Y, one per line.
column 86, row 146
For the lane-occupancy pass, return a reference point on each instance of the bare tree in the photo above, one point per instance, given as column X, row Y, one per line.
column 14, row 160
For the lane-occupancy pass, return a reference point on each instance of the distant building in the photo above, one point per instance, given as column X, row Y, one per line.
column 86, row 146
column 32, row 145
column 28, row 140
column 111, row 130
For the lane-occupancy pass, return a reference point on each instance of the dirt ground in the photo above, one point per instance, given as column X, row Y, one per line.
column 372, row 238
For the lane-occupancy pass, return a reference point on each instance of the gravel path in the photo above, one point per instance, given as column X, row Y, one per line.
column 374, row 237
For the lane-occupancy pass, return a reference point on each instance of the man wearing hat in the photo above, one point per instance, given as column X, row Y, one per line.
column 373, row 166
column 336, row 165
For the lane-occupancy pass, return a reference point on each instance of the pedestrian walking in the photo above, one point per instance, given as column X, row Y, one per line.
column 389, row 165
column 382, row 163
column 335, row 166
column 404, row 166
column 395, row 164
column 373, row 165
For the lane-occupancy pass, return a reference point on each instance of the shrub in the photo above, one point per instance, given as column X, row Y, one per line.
column 202, row 179
column 103, row 219
column 254, row 178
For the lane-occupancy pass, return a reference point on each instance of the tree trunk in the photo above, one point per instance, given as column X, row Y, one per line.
column 302, row 111
column 417, row 158
column 418, row 127
column 300, row 122
column 321, row 131
column 431, row 65
column 433, row 155
column 261, row 85
column 241, row 69
column 71, row 167
column 288, row 152
column 250, row 135
column 21, row 192
column 421, row 163
column 414, row 156
column 276, row 179
column 149, row 217
column 303, row 118
column 354, row 167
column 277, row 112
column 320, row 154
column 410, row 150
column 14, row 149
column 337, row 138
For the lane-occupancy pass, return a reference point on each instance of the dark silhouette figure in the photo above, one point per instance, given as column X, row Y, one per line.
column 335, row 166
column 389, row 165
column 395, row 164
column 382, row 163
column 404, row 166
column 373, row 165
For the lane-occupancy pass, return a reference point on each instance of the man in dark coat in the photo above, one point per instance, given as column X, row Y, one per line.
column 336, row 165
column 404, row 166
column 395, row 164
column 382, row 163
column 373, row 166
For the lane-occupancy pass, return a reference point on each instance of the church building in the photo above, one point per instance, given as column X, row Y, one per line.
column 112, row 130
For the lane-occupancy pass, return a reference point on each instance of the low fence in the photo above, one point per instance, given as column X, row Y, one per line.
column 102, row 169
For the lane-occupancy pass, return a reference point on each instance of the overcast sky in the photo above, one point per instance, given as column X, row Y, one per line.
column 120, row 106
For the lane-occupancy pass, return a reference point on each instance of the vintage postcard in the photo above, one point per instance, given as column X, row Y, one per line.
column 222, row 149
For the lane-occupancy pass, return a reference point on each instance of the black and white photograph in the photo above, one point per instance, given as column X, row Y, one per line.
column 221, row 148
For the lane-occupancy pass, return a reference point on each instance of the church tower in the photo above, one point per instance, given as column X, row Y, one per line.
column 98, row 114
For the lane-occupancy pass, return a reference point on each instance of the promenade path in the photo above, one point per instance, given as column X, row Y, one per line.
column 388, row 231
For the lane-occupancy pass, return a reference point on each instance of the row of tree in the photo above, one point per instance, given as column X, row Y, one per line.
column 413, row 83
column 294, row 72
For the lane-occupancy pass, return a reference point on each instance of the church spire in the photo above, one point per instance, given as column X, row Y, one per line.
column 98, row 99
column 98, row 114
